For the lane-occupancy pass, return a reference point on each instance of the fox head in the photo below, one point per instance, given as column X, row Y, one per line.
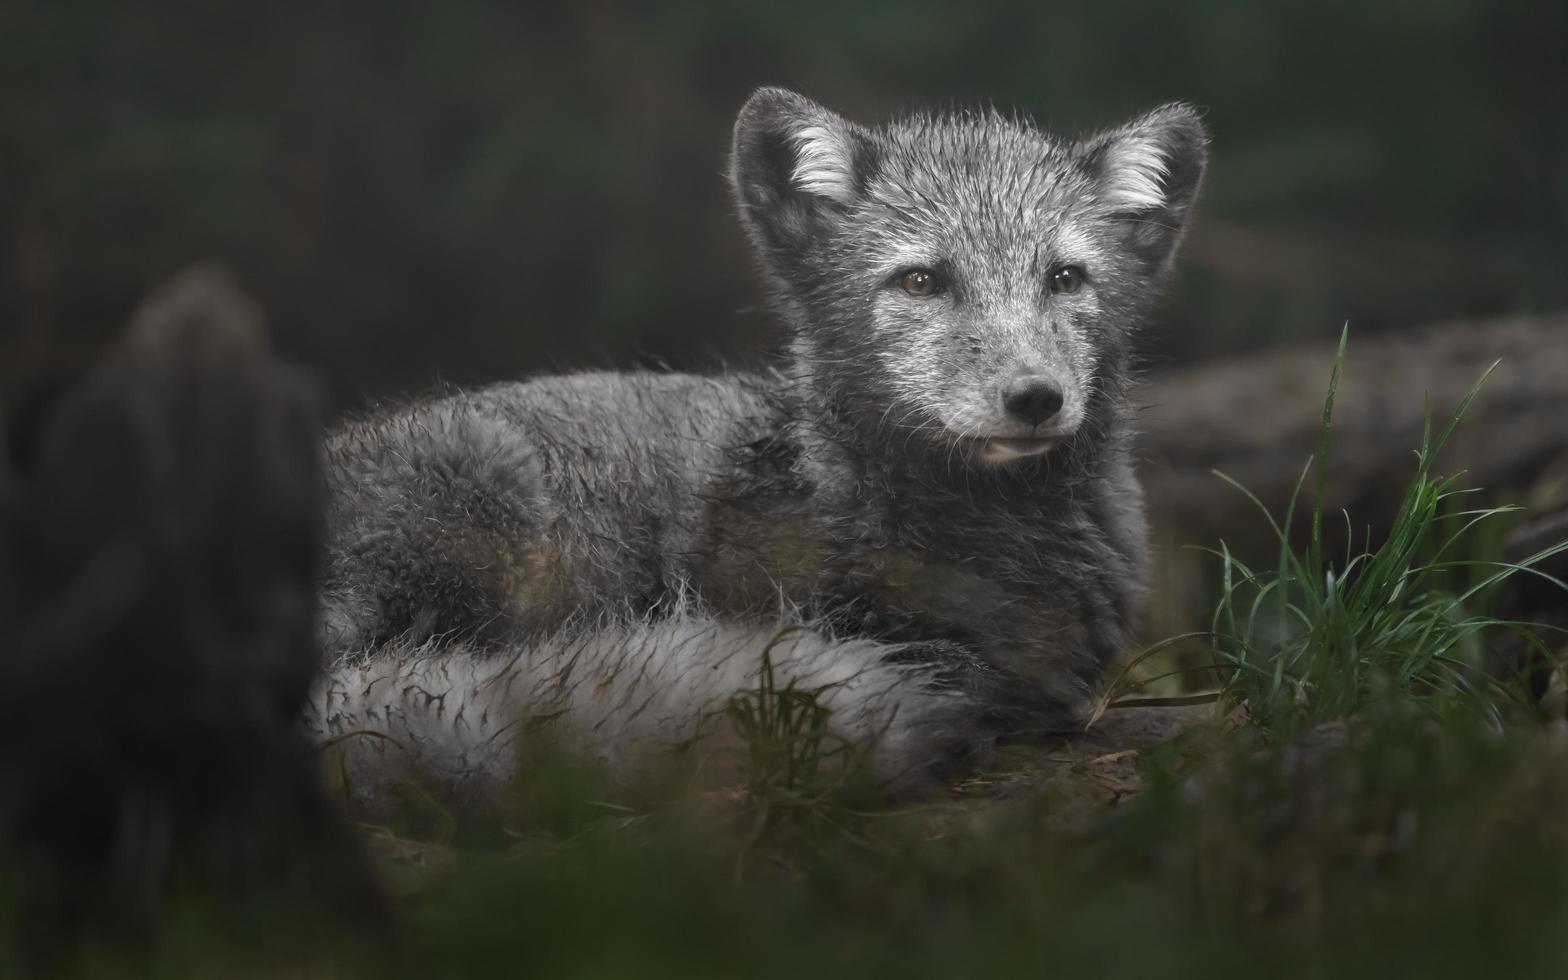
column 964, row 282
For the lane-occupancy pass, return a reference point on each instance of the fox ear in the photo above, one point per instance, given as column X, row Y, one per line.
column 1147, row 173
column 795, row 165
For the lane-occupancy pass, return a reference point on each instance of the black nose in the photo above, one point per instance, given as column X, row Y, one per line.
column 1032, row 399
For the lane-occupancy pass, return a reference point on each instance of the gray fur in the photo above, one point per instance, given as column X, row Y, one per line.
column 614, row 551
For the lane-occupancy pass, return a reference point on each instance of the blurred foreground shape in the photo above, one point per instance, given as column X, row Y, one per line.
column 158, row 549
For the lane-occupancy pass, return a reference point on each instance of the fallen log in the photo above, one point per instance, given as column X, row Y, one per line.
column 1257, row 419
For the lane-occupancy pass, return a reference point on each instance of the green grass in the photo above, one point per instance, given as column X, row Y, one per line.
column 805, row 787
column 1410, row 852
column 1400, row 623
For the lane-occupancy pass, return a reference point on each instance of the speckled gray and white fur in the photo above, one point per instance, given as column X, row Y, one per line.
column 614, row 551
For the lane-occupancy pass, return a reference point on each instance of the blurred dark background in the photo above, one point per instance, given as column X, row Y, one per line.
column 471, row 190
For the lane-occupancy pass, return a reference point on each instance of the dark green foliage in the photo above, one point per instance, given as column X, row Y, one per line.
column 1406, row 850
column 477, row 189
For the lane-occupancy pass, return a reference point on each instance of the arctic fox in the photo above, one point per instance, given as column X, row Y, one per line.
column 927, row 513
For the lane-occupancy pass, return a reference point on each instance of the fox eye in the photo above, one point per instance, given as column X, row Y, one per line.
column 1066, row 279
column 920, row 282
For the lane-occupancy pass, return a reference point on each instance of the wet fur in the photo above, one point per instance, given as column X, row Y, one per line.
column 613, row 551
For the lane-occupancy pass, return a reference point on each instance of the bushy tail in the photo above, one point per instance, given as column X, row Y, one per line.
column 452, row 717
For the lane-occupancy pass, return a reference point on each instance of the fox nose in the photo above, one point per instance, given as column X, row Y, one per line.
column 1032, row 399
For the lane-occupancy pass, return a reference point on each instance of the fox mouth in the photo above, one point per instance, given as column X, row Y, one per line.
column 1006, row 450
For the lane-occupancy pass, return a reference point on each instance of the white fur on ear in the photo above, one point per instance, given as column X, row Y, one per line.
column 1135, row 171
column 824, row 166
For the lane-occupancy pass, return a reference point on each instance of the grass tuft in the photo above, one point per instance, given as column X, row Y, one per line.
column 1403, row 622
column 800, row 773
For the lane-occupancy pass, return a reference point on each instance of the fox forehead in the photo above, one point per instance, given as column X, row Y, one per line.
column 986, row 150
column 957, row 183
column 973, row 155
